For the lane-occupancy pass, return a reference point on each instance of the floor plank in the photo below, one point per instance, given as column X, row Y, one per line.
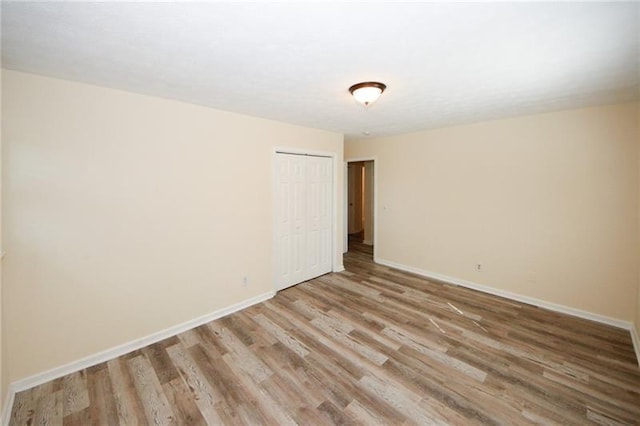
column 370, row 345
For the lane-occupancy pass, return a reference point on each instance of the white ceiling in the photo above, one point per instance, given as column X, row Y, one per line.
column 444, row 64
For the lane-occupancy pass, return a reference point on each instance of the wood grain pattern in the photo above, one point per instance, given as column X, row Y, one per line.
column 370, row 345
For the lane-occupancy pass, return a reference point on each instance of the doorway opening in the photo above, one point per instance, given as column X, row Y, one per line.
column 360, row 206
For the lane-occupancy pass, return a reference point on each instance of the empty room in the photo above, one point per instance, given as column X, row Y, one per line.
column 320, row 213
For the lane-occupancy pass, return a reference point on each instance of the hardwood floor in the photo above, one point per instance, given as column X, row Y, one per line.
column 370, row 345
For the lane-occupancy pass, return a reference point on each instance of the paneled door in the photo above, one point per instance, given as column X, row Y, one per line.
column 318, row 190
column 303, row 222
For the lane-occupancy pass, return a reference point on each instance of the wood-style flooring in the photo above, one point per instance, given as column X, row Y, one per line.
column 370, row 345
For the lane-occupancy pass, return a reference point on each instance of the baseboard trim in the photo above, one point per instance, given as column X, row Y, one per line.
column 338, row 268
column 509, row 295
column 367, row 242
column 8, row 405
column 635, row 338
column 91, row 360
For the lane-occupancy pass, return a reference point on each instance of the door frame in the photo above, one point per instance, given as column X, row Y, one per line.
column 345, row 212
column 336, row 257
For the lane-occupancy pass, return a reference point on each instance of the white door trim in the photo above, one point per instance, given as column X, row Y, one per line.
column 336, row 257
column 375, row 201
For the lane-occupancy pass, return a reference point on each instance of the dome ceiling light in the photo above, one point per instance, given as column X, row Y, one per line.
column 367, row 92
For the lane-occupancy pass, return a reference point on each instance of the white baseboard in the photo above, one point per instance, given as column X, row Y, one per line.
column 509, row 295
column 367, row 242
column 7, row 406
column 338, row 268
column 636, row 341
column 133, row 345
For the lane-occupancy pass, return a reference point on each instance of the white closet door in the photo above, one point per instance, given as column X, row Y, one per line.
column 291, row 225
column 318, row 186
column 303, row 200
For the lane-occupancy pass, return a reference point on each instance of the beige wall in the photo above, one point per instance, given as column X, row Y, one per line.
column 4, row 380
column 355, row 197
column 368, row 202
column 637, row 318
column 546, row 203
column 126, row 214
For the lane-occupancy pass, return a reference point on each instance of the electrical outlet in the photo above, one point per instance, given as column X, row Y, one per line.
column 479, row 267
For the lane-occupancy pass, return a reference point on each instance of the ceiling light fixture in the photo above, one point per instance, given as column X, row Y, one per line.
column 367, row 92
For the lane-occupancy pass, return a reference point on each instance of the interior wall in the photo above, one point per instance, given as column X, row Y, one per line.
column 547, row 204
column 127, row 214
column 637, row 316
column 4, row 382
column 368, row 202
column 355, row 197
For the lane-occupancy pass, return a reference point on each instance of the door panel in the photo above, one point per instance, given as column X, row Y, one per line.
column 320, row 219
column 304, row 218
column 290, row 222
